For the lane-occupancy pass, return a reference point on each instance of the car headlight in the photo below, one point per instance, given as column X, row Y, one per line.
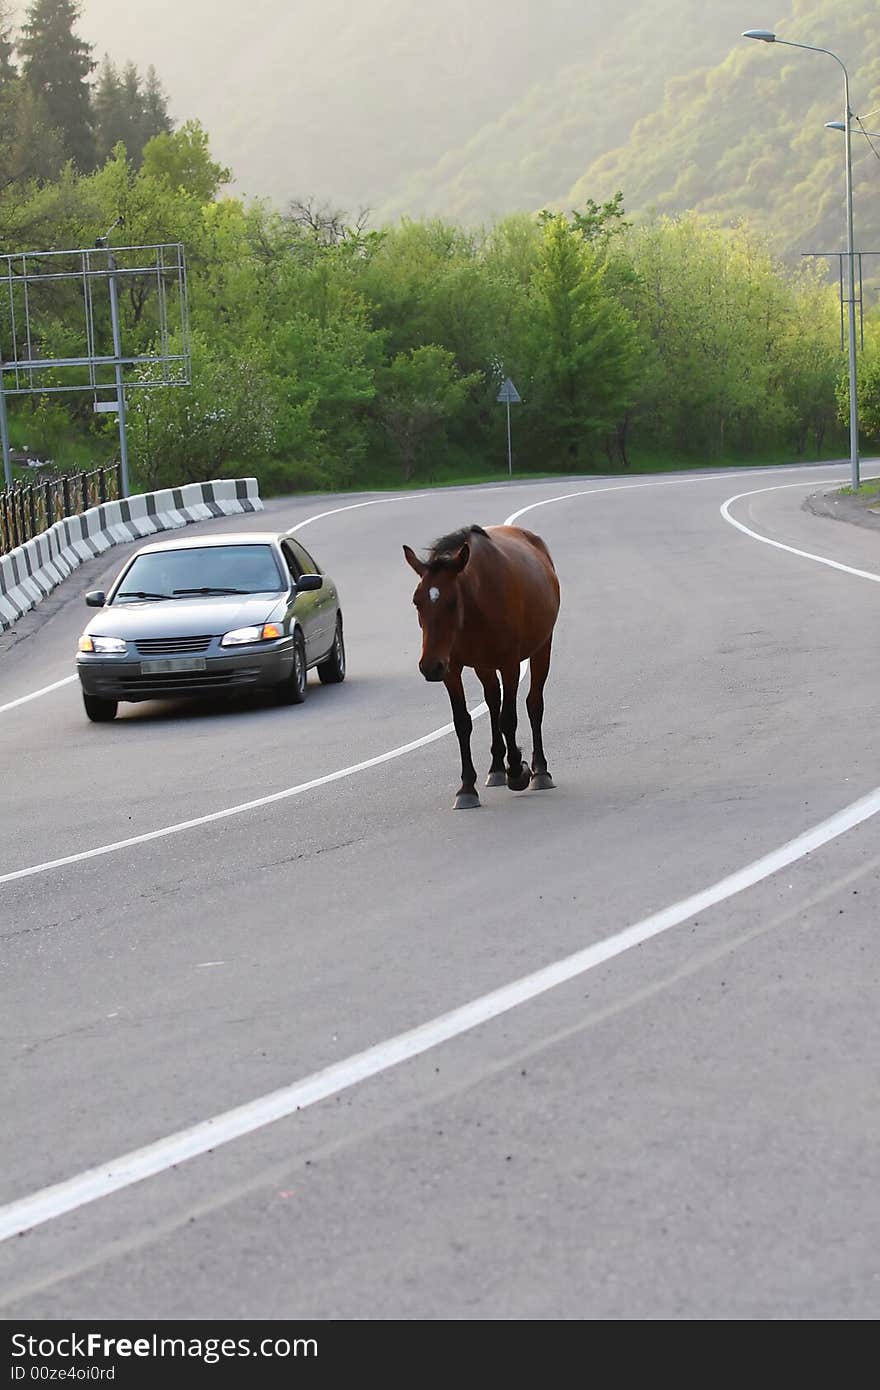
column 103, row 646
column 242, row 635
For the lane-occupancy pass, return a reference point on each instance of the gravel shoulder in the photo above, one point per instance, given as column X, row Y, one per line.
column 860, row 511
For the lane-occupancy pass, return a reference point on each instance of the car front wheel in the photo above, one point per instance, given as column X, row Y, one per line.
column 100, row 711
column 332, row 671
column 293, row 690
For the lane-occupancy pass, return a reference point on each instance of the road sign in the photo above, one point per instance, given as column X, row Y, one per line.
column 508, row 395
column 105, row 407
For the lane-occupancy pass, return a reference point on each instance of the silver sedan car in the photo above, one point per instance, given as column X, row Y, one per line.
column 211, row 615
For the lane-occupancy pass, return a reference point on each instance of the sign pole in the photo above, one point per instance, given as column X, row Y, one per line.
column 507, row 393
column 509, row 450
column 120, row 388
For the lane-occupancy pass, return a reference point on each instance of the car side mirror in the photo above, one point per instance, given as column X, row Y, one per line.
column 307, row 582
column 96, row 598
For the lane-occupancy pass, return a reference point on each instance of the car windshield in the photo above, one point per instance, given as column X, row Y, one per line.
column 201, row 571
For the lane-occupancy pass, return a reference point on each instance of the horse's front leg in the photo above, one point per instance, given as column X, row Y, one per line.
column 518, row 774
column 466, row 797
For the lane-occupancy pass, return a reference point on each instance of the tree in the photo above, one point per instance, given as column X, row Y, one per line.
column 156, row 120
column 56, row 64
column 418, row 393
column 30, row 147
column 599, row 223
column 8, row 73
column 580, row 348
column 107, row 110
column 126, row 111
column 224, row 420
column 326, row 224
column 727, row 334
column 183, row 160
column 867, row 383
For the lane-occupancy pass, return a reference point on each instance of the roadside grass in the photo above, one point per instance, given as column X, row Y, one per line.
column 461, row 471
column 870, row 488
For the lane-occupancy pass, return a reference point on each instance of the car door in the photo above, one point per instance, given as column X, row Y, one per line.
column 325, row 605
column 306, row 606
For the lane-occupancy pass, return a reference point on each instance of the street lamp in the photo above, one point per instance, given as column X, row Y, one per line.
column 838, row 125
column 767, row 36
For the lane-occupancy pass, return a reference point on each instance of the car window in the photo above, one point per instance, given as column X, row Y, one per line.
column 307, row 564
column 246, row 569
column 290, row 560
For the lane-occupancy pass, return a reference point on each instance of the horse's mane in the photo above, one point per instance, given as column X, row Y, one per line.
column 446, row 547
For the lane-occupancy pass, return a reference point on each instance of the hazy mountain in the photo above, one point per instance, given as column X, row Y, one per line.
column 747, row 137
column 479, row 107
column 344, row 101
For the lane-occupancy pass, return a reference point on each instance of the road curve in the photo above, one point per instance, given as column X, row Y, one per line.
column 679, row 1122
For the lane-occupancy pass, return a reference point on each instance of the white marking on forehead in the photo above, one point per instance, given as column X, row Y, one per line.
column 433, row 594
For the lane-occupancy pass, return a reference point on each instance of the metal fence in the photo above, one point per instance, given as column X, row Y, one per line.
column 28, row 509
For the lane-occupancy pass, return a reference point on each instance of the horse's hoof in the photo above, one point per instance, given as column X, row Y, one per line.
column 466, row 801
column 496, row 779
column 520, row 782
column 542, row 782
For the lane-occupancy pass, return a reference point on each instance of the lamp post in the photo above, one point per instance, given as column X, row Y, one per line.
column 767, row 36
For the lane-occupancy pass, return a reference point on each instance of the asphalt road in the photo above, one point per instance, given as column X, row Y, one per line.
column 687, row 1128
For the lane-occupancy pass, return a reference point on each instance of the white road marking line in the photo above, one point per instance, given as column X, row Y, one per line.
column 95, row 1183
column 254, row 805
column 353, row 507
column 779, row 545
column 35, row 694
column 665, row 482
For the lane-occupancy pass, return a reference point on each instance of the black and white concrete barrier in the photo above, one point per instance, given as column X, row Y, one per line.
column 34, row 569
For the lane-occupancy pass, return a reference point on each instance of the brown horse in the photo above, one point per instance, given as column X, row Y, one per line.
column 489, row 600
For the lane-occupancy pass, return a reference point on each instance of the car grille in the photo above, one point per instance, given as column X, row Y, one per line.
column 168, row 646
column 169, row 680
column 164, row 684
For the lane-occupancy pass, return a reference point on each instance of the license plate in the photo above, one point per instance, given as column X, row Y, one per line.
column 172, row 663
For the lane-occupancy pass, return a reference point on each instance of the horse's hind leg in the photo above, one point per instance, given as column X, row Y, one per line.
column 466, row 797
column 540, row 666
column 492, row 690
column 517, row 770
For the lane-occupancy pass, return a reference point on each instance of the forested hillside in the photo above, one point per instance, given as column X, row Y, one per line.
column 747, row 138
column 538, row 147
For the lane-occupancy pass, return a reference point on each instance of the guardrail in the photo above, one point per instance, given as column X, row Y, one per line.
column 32, row 570
column 29, row 509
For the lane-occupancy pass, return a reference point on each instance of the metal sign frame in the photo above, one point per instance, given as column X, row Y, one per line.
column 859, row 298
column 70, row 285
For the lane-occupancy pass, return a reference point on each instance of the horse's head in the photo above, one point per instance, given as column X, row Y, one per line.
column 438, row 603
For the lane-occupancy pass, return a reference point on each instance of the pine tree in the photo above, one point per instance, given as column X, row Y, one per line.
column 132, row 124
column 56, row 64
column 106, row 109
column 156, row 118
column 7, row 67
column 126, row 109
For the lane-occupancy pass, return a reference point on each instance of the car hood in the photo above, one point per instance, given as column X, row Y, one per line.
column 183, row 617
